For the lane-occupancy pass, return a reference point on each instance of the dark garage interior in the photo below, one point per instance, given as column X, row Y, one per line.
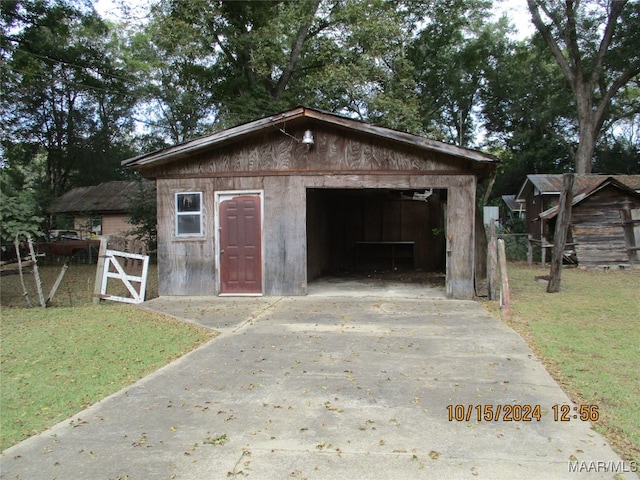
column 360, row 231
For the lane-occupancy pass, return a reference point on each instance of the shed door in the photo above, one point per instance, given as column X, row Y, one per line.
column 240, row 245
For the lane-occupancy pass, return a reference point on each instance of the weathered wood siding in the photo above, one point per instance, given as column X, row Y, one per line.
column 535, row 205
column 284, row 169
column 276, row 152
column 285, row 245
column 597, row 227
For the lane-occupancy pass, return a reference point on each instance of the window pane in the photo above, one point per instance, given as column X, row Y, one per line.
column 188, row 224
column 188, row 202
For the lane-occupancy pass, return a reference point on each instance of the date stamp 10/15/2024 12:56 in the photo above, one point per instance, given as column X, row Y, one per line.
column 530, row 413
column 521, row 413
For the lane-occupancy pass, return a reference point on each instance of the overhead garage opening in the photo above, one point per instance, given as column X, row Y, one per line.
column 398, row 234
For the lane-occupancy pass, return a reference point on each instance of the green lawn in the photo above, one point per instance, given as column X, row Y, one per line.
column 57, row 361
column 588, row 336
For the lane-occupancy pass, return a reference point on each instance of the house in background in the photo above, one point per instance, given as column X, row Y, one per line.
column 100, row 209
column 265, row 207
column 605, row 219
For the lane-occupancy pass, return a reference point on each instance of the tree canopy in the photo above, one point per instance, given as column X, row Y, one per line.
column 80, row 93
column 596, row 46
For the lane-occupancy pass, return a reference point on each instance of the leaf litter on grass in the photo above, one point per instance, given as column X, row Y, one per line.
column 58, row 361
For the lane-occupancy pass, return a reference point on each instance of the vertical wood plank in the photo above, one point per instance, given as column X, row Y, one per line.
column 481, row 247
column 285, row 252
column 492, row 262
column 102, row 252
column 505, row 294
column 36, row 273
column 461, row 207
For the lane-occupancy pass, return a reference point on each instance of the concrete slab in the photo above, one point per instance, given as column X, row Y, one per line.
column 328, row 387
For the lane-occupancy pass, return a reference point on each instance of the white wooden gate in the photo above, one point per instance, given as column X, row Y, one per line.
column 115, row 266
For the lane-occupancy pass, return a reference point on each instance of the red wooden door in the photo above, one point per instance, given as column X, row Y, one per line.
column 240, row 245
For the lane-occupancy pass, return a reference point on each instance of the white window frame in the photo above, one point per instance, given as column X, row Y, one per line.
column 179, row 214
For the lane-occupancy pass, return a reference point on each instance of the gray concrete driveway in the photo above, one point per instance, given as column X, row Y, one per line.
column 341, row 384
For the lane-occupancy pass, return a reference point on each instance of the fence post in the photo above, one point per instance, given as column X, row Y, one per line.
column 100, row 267
column 492, row 261
column 504, row 292
column 36, row 273
column 57, row 283
column 25, row 294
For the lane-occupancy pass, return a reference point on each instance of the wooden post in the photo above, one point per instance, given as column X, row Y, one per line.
column 530, row 250
column 56, row 285
column 505, row 295
column 449, row 260
column 492, row 262
column 562, row 227
column 25, row 294
column 36, row 273
column 98, row 282
column 629, row 235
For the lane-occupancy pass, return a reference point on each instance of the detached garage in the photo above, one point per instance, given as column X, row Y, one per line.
column 267, row 206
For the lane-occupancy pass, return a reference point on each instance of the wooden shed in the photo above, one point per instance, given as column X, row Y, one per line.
column 541, row 192
column 605, row 224
column 265, row 207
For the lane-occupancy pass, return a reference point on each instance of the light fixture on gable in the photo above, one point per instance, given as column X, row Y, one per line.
column 307, row 139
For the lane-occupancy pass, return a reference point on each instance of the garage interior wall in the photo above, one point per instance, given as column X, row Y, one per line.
column 337, row 219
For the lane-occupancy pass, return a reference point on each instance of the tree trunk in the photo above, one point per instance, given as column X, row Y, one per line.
column 587, row 130
column 584, row 153
column 560, row 237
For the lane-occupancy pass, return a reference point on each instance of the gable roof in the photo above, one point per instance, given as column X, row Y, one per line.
column 551, row 184
column 589, row 191
column 292, row 117
column 108, row 197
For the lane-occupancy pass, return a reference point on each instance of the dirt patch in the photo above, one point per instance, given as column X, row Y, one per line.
column 381, row 277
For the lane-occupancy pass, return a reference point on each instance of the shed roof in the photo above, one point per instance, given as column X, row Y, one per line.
column 512, row 204
column 551, row 184
column 295, row 116
column 108, row 197
column 590, row 190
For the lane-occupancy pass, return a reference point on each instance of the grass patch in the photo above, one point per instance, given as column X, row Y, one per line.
column 58, row 361
column 588, row 336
